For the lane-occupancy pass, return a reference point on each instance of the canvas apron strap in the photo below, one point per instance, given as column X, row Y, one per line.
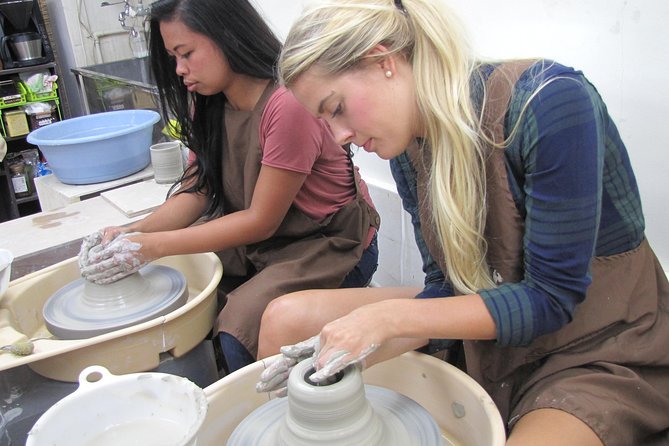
column 241, row 168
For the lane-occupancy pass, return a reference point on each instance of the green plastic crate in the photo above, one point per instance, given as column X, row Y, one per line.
column 39, row 97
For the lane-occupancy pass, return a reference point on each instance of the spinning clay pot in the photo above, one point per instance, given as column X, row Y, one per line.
column 343, row 412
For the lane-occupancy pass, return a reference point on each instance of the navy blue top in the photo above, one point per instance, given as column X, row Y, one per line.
column 572, row 182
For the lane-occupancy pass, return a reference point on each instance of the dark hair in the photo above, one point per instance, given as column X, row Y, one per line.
column 250, row 47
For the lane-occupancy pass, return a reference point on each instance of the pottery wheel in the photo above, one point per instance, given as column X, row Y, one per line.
column 405, row 421
column 82, row 309
column 348, row 413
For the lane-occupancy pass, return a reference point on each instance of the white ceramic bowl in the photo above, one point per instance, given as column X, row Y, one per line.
column 148, row 409
column 6, row 259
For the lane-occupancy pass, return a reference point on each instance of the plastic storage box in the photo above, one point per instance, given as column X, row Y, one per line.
column 41, row 118
column 15, row 123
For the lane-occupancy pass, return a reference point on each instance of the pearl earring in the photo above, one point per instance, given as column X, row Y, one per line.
column 389, row 74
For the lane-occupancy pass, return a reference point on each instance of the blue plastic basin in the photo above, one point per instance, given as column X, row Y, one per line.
column 96, row 148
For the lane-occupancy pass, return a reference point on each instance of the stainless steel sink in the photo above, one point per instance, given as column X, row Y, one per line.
column 135, row 72
column 119, row 85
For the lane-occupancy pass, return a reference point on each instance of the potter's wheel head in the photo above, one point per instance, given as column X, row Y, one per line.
column 83, row 309
column 345, row 412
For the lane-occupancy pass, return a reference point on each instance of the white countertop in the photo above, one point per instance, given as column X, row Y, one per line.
column 54, row 194
column 27, row 235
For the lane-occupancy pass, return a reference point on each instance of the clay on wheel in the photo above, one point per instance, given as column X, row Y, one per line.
column 344, row 412
column 83, row 309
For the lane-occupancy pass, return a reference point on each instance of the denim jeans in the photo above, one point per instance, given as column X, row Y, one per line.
column 237, row 356
column 234, row 353
column 361, row 275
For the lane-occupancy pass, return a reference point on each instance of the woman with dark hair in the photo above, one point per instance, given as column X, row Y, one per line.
column 281, row 202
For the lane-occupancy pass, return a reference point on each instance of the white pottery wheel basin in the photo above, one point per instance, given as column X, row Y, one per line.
column 137, row 348
column 148, row 409
column 83, row 309
column 464, row 412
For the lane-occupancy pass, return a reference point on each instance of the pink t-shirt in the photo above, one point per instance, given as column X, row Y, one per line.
column 294, row 140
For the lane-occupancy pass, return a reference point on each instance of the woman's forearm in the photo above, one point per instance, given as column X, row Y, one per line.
column 230, row 231
column 178, row 211
column 392, row 348
column 458, row 317
column 168, row 231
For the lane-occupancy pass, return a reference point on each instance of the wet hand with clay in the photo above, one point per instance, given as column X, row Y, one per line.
column 111, row 232
column 338, row 361
column 350, row 339
column 87, row 244
column 109, row 262
column 102, row 237
column 275, row 376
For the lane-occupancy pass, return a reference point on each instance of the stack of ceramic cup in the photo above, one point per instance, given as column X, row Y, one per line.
column 167, row 161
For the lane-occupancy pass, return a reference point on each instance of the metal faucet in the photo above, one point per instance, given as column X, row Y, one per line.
column 129, row 11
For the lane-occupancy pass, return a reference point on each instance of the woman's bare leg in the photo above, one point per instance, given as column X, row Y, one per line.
column 297, row 316
column 552, row 427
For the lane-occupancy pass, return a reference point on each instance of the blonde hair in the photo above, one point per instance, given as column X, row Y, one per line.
column 336, row 35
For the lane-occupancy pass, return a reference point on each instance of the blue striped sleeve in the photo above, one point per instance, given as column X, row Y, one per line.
column 560, row 149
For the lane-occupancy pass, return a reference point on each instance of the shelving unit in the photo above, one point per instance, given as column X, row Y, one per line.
column 13, row 207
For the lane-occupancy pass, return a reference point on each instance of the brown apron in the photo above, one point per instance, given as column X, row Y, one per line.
column 302, row 254
column 610, row 365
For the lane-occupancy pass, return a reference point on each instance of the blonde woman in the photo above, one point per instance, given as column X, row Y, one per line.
column 527, row 214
